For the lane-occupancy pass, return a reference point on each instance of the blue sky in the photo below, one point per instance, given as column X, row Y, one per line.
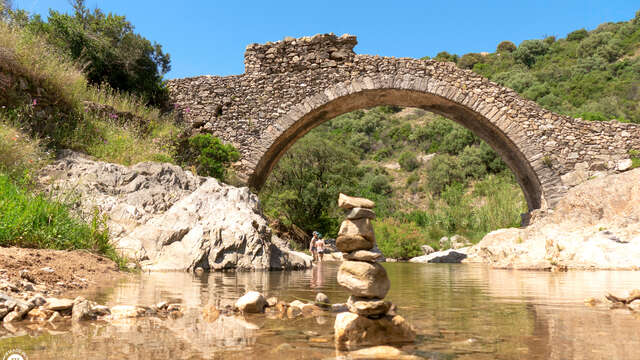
column 209, row 37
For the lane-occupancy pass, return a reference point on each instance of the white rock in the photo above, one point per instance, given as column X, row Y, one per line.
column 251, row 302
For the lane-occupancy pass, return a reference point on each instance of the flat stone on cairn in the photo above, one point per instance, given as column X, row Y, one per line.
column 369, row 320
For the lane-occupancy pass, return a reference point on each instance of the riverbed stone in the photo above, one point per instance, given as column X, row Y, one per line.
column 322, row 300
column 367, row 307
column 381, row 352
column 251, row 302
column 349, row 243
column 81, row 311
column 353, row 330
column 350, row 202
column 363, row 255
column 126, row 312
column 361, row 227
column 364, row 279
column 39, row 314
column 360, row 213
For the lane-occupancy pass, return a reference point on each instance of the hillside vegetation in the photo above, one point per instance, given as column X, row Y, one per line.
column 433, row 178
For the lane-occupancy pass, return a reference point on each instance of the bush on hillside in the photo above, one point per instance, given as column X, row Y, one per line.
column 209, row 155
column 506, row 47
column 398, row 240
column 408, row 161
column 529, row 51
column 577, row 35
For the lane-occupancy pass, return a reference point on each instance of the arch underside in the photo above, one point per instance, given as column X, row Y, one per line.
column 508, row 150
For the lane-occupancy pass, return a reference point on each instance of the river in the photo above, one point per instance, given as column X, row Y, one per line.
column 459, row 311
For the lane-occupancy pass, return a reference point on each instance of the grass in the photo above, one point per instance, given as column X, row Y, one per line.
column 35, row 221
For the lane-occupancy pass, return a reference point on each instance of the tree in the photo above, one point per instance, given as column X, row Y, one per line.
column 108, row 50
column 305, row 184
column 577, row 35
column 467, row 61
column 529, row 50
column 506, row 47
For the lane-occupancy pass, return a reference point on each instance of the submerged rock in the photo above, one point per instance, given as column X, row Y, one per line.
column 353, row 330
column 169, row 219
column 251, row 302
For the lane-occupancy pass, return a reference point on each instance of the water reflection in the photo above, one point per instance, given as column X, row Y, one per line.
column 459, row 311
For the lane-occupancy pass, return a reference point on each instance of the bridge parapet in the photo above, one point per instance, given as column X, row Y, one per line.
column 306, row 53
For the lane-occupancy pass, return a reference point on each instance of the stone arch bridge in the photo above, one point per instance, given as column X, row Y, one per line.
column 293, row 85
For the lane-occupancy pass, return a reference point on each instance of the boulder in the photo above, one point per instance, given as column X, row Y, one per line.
column 39, row 314
column 350, row 202
column 361, row 213
column 367, row 307
column 349, row 243
column 353, row 330
column 427, row 249
column 594, row 226
column 364, row 279
column 451, row 256
column 251, row 302
column 167, row 218
column 58, row 304
column 363, row 255
column 361, row 227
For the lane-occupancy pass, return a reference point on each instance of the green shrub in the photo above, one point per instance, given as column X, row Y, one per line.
column 210, row 156
column 467, row 61
column 529, row 51
column 472, row 162
column 577, row 35
column 443, row 170
column 456, row 140
column 408, row 161
column 506, row 47
column 398, row 240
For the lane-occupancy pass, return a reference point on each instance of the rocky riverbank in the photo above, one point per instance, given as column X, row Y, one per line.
column 596, row 226
column 166, row 218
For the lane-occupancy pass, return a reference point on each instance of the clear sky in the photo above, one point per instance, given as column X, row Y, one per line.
column 210, row 36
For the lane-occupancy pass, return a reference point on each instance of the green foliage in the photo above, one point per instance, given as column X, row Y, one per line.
column 108, row 49
column 506, row 47
column 456, row 140
column 445, row 56
column 529, row 51
column 577, row 35
column 398, row 240
column 304, row 186
column 209, row 155
column 590, row 74
column 35, row 221
column 467, row 61
column 635, row 158
column 408, row 161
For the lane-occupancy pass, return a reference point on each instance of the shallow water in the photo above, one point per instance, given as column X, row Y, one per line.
column 459, row 311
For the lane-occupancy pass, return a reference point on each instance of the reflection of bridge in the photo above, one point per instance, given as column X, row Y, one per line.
column 291, row 86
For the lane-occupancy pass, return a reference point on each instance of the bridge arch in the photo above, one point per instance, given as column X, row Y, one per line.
column 291, row 86
column 503, row 133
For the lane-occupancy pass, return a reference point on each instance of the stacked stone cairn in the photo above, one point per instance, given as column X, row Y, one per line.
column 371, row 320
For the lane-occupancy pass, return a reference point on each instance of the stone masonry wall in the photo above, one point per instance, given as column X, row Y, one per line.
column 292, row 85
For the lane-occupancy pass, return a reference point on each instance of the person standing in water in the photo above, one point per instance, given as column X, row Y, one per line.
column 312, row 246
column 320, row 247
